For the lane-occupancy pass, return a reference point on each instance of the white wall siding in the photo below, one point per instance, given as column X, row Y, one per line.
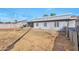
column 72, row 24
column 51, row 25
column 62, row 25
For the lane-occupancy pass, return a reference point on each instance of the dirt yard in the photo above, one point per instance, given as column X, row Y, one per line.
column 34, row 40
column 62, row 43
column 7, row 37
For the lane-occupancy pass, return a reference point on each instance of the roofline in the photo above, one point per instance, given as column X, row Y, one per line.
column 52, row 20
column 53, row 16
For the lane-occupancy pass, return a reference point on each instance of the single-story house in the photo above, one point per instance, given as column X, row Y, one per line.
column 12, row 25
column 58, row 23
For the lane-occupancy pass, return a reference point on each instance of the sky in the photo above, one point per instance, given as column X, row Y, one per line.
column 11, row 14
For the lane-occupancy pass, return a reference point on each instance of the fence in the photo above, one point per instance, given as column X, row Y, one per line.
column 74, row 38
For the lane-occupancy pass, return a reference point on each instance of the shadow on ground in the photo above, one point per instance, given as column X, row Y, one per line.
column 62, row 43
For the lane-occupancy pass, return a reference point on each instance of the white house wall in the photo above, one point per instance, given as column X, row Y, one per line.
column 72, row 24
column 50, row 25
column 62, row 25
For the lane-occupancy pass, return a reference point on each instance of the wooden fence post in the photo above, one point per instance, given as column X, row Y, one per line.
column 71, row 35
column 75, row 40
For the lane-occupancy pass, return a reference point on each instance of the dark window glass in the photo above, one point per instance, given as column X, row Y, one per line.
column 45, row 24
column 36, row 24
column 56, row 24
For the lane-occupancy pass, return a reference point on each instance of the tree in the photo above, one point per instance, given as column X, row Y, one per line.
column 45, row 15
column 16, row 21
column 52, row 14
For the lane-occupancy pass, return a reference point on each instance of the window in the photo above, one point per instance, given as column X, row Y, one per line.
column 45, row 24
column 57, row 24
column 54, row 24
column 36, row 24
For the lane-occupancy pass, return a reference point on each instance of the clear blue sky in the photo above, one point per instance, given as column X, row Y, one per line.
column 10, row 14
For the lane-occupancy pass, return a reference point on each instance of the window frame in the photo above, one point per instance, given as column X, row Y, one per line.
column 56, row 24
column 37, row 24
column 45, row 24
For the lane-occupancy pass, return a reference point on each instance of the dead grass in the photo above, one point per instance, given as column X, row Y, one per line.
column 34, row 40
column 8, row 37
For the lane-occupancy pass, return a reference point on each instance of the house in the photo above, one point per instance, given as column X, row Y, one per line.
column 12, row 25
column 22, row 23
column 59, row 22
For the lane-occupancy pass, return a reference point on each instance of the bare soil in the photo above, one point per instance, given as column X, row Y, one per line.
column 62, row 43
column 34, row 40
column 7, row 37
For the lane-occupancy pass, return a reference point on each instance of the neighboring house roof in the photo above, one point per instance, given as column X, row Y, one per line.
column 23, row 21
column 55, row 18
column 7, row 22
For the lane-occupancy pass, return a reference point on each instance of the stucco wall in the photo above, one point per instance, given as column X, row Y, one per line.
column 51, row 25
